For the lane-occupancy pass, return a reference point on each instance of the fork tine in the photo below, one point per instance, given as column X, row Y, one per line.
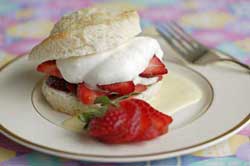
column 201, row 48
column 177, row 44
column 165, row 34
column 177, row 38
column 196, row 49
column 187, row 35
column 181, row 34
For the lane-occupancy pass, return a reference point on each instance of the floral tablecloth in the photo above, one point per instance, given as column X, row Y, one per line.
column 224, row 24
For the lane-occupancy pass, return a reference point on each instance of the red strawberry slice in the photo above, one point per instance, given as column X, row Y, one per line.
column 145, row 123
column 138, row 123
column 157, row 128
column 120, row 125
column 121, row 88
column 155, row 68
column 130, row 122
column 112, row 127
column 159, row 78
column 87, row 95
column 158, row 122
column 50, row 68
column 140, row 88
column 61, row 84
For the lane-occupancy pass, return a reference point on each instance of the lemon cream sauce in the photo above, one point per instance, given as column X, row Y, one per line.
column 176, row 93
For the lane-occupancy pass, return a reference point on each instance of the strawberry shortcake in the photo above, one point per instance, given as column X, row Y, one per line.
column 98, row 69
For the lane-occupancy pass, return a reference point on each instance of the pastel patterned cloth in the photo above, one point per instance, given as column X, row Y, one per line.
column 224, row 24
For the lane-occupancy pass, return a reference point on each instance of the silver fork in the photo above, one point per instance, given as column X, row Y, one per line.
column 190, row 49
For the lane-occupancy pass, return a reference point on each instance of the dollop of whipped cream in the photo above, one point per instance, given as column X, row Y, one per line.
column 121, row 64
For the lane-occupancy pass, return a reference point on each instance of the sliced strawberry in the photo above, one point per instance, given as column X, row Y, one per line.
column 155, row 68
column 61, row 84
column 159, row 78
column 120, row 125
column 50, row 68
column 138, row 123
column 121, row 88
column 159, row 124
column 140, row 88
column 145, row 109
column 87, row 95
column 145, row 119
column 112, row 127
column 129, row 122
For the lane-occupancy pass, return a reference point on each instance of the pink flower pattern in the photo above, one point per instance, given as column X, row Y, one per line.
column 14, row 12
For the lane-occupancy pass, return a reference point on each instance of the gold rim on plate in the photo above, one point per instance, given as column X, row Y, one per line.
column 12, row 135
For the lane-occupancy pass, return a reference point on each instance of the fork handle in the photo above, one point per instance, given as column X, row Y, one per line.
column 215, row 57
column 236, row 62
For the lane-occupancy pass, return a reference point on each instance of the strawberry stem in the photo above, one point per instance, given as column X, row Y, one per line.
column 117, row 100
column 99, row 109
column 103, row 100
column 92, row 112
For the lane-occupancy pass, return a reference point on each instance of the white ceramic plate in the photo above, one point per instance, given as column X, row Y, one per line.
column 28, row 120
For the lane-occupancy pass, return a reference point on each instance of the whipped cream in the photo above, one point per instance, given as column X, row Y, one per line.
column 121, row 64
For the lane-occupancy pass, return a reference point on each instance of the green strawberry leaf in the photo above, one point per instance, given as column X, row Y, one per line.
column 117, row 100
column 103, row 110
column 96, row 111
column 81, row 117
column 103, row 100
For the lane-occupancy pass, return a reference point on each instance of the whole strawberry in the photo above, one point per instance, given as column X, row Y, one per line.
column 129, row 120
